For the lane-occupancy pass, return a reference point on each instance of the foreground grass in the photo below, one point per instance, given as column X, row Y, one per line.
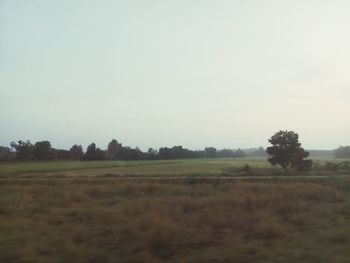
column 292, row 220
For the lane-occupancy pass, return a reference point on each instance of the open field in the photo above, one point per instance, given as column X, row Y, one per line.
column 98, row 168
column 188, row 167
column 294, row 220
column 189, row 219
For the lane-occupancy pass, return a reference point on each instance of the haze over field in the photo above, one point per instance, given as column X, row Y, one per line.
column 156, row 73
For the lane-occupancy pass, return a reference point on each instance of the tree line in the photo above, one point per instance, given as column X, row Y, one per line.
column 43, row 151
column 342, row 152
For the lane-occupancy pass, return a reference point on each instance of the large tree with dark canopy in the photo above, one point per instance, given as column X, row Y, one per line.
column 286, row 151
column 43, row 151
column 24, row 150
column 93, row 153
column 76, row 152
column 114, row 150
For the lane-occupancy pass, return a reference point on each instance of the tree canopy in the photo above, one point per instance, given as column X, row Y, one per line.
column 43, row 151
column 286, row 151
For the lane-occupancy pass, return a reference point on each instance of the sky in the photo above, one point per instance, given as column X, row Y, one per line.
column 158, row 73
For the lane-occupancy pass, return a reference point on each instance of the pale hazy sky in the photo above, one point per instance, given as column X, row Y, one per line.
column 163, row 73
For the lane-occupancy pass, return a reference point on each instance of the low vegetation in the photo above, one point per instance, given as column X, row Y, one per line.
column 202, row 167
column 165, row 168
column 178, row 221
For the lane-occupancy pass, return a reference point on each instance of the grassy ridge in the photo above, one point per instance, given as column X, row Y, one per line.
column 123, row 221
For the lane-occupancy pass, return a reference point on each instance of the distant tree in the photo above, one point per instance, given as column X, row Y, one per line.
column 239, row 153
column 114, row 150
column 76, row 152
column 342, row 152
column 100, row 154
column 43, row 151
column 164, row 153
column 225, row 153
column 152, row 154
column 24, row 150
column 257, row 152
column 286, row 151
column 60, row 154
column 129, row 153
column 210, row 152
column 6, row 154
column 176, row 152
column 92, row 153
column 230, row 153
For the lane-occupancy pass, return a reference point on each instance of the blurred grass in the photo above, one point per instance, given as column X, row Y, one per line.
column 291, row 220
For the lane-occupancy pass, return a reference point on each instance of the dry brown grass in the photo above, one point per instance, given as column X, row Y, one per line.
column 124, row 221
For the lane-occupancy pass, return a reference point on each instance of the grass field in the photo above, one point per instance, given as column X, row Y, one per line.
column 163, row 168
column 289, row 219
column 99, row 168
column 293, row 220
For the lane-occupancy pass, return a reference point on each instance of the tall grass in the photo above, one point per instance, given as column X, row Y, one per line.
column 123, row 221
